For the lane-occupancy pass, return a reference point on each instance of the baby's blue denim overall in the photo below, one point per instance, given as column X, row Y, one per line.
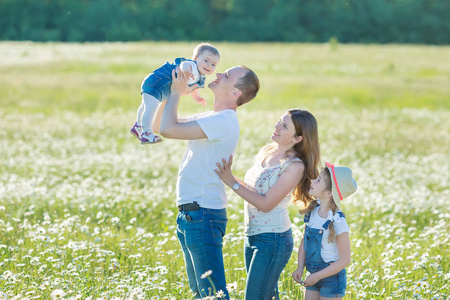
column 333, row 286
column 159, row 82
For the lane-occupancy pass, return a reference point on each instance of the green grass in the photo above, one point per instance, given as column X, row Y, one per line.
column 86, row 209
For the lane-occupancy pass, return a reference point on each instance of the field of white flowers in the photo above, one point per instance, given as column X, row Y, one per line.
column 86, row 212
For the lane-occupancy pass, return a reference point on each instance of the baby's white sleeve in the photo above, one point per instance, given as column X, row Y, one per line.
column 186, row 66
column 191, row 67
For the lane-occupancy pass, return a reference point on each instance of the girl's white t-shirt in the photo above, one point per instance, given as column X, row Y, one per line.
column 329, row 251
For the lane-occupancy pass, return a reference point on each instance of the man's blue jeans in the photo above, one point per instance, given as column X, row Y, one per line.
column 266, row 255
column 201, row 234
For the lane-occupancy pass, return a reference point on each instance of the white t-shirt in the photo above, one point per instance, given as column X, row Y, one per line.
column 262, row 179
column 197, row 180
column 329, row 251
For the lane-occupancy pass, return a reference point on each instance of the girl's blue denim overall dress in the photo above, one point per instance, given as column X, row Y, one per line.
column 159, row 82
column 333, row 286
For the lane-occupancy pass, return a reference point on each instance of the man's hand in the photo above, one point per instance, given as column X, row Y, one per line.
column 189, row 75
column 179, row 82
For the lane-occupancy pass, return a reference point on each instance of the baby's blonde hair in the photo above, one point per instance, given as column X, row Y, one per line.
column 205, row 47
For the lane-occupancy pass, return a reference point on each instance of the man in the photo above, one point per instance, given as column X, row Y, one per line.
column 201, row 198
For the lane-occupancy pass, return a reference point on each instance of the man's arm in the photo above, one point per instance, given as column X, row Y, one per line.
column 171, row 127
column 157, row 119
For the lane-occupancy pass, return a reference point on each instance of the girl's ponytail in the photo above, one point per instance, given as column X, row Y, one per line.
column 332, row 234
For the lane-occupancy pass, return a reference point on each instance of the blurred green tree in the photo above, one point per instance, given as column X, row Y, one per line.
column 350, row 21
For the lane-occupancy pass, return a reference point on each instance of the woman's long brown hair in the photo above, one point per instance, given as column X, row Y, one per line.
column 308, row 150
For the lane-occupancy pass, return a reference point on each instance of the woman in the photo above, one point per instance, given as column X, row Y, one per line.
column 283, row 171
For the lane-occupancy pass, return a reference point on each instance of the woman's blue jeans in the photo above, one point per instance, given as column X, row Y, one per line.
column 266, row 255
column 201, row 234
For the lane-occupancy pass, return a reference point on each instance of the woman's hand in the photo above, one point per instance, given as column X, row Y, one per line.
column 224, row 171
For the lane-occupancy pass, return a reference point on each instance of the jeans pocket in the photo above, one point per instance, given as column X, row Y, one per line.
column 191, row 231
column 342, row 279
column 152, row 80
column 289, row 247
column 267, row 238
column 193, row 217
column 154, row 85
column 218, row 228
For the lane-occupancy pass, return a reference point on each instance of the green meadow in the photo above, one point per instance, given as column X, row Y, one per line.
column 87, row 212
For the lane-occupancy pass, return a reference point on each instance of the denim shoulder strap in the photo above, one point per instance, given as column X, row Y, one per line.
column 307, row 217
column 341, row 214
column 179, row 60
column 327, row 223
column 201, row 81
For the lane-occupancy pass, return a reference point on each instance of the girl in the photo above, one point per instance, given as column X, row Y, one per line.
column 282, row 171
column 325, row 247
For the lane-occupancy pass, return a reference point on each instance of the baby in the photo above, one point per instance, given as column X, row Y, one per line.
column 155, row 88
